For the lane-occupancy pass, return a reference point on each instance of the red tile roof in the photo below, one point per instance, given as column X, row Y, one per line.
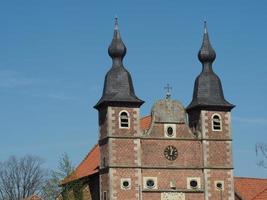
column 90, row 164
column 145, row 122
column 87, row 167
column 246, row 188
column 251, row 188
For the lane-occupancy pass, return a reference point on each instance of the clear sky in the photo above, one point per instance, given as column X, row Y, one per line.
column 53, row 59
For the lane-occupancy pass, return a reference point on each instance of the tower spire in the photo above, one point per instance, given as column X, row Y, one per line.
column 208, row 91
column 117, row 49
column 206, row 53
column 118, row 87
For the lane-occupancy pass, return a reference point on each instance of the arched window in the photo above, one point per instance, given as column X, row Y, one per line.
column 216, row 123
column 124, row 120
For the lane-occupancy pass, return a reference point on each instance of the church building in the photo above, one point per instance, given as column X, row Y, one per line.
column 175, row 153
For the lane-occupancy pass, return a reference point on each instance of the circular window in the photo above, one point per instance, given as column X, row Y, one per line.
column 193, row 184
column 125, row 183
column 150, row 183
column 170, row 131
column 219, row 186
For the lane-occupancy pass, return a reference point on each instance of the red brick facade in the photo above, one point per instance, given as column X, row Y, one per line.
column 138, row 156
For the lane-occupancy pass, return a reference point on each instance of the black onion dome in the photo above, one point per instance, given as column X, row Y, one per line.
column 208, row 91
column 117, row 49
column 118, row 87
column 206, row 52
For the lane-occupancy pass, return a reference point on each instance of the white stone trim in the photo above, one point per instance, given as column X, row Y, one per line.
column 112, row 184
column 207, row 184
column 203, row 124
column 231, row 185
column 136, row 121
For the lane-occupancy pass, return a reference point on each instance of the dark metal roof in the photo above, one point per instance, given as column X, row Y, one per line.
column 118, row 87
column 208, row 91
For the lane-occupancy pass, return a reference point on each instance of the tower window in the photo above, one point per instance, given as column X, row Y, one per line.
column 216, row 123
column 124, row 120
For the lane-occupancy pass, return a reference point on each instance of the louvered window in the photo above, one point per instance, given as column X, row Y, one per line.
column 124, row 120
column 216, row 123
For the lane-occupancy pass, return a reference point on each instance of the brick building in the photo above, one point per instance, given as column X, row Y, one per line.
column 175, row 153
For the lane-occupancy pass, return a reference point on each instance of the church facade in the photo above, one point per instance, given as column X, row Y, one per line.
column 176, row 153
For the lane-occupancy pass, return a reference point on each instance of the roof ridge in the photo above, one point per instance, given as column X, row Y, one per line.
column 259, row 193
column 95, row 146
column 250, row 178
column 74, row 171
column 145, row 117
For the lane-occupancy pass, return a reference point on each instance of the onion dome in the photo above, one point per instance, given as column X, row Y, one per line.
column 118, row 87
column 208, row 91
column 206, row 53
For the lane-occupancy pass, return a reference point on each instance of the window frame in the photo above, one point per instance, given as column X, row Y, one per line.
column 105, row 195
column 173, row 126
column 120, row 119
column 221, row 182
column 146, row 179
column 197, row 179
column 126, row 187
column 213, row 123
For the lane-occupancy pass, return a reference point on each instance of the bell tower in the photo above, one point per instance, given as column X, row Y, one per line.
column 119, row 129
column 210, row 119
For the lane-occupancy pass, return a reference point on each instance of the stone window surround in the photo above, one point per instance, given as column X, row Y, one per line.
column 123, row 180
column 145, row 179
column 128, row 115
column 173, row 126
column 215, row 185
column 105, row 195
column 212, row 122
column 197, row 179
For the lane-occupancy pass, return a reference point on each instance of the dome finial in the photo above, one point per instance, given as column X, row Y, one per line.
column 117, row 49
column 116, row 23
column 206, row 53
column 205, row 27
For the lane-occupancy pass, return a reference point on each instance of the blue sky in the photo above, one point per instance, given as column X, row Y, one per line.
column 53, row 59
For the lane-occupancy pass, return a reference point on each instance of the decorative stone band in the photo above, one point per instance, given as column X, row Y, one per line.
column 166, row 167
column 174, row 191
column 105, row 140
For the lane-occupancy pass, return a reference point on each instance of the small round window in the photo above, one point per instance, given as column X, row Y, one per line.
column 150, row 183
column 193, row 184
column 170, row 131
column 125, row 184
column 219, row 185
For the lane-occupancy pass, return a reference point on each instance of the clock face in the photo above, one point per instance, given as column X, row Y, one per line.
column 170, row 152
